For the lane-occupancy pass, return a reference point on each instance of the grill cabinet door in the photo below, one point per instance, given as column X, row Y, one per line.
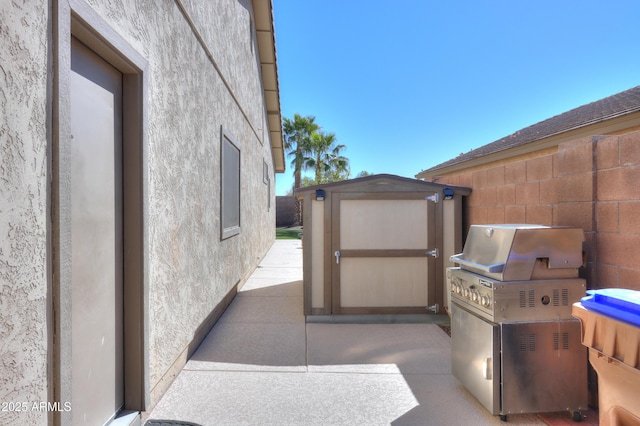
column 475, row 356
column 544, row 367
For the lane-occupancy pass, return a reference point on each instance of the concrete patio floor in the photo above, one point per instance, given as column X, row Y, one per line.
column 262, row 364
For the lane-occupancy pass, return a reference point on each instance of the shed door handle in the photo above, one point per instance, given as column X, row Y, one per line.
column 337, row 254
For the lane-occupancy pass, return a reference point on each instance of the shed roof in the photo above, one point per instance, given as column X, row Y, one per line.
column 618, row 105
column 393, row 182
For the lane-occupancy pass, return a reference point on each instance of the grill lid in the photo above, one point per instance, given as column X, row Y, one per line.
column 522, row 252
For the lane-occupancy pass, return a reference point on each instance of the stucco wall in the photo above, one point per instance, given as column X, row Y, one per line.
column 23, row 208
column 203, row 75
column 590, row 182
column 191, row 270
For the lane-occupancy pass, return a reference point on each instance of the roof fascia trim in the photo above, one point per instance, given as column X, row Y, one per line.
column 608, row 127
column 265, row 31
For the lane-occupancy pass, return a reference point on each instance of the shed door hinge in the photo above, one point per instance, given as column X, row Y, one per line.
column 435, row 197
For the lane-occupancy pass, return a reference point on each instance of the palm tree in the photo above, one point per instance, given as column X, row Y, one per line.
column 325, row 158
column 339, row 164
column 297, row 140
column 340, row 169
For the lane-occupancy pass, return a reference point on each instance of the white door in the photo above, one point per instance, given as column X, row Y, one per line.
column 96, row 228
column 382, row 246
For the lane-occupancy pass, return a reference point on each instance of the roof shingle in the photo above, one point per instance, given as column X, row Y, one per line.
column 604, row 109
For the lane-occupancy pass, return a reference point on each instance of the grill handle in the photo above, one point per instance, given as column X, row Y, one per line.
column 487, row 370
column 496, row 267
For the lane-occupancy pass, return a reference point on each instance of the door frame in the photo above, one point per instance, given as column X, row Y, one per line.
column 433, row 240
column 76, row 18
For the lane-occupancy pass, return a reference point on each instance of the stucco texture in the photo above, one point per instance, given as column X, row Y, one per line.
column 203, row 75
column 191, row 269
column 23, row 210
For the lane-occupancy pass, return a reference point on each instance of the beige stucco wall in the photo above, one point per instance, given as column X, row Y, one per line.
column 195, row 87
column 23, row 207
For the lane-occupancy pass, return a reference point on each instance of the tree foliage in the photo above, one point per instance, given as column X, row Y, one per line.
column 325, row 158
column 298, row 133
column 315, row 150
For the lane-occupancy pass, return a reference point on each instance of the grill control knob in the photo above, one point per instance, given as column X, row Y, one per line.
column 484, row 301
column 465, row 292
column 474, row 296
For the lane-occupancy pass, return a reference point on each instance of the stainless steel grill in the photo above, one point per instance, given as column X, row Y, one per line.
column 522, row 252
column 515, row 345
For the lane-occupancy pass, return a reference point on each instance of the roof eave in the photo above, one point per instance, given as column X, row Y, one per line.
column 265, row 33
column 604, row 127
column 385, row 178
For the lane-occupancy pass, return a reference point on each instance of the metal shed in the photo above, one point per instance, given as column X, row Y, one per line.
column 379, row 245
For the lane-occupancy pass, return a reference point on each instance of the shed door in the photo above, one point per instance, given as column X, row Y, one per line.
column 382, row 244
column 97, row 237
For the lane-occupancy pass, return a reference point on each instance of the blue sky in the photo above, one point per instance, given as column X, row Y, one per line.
column 408, row 84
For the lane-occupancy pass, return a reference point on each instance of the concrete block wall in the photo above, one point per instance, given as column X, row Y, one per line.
column 524, row 191
column 617, row 211
column 285, row 211
column 592, row 182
